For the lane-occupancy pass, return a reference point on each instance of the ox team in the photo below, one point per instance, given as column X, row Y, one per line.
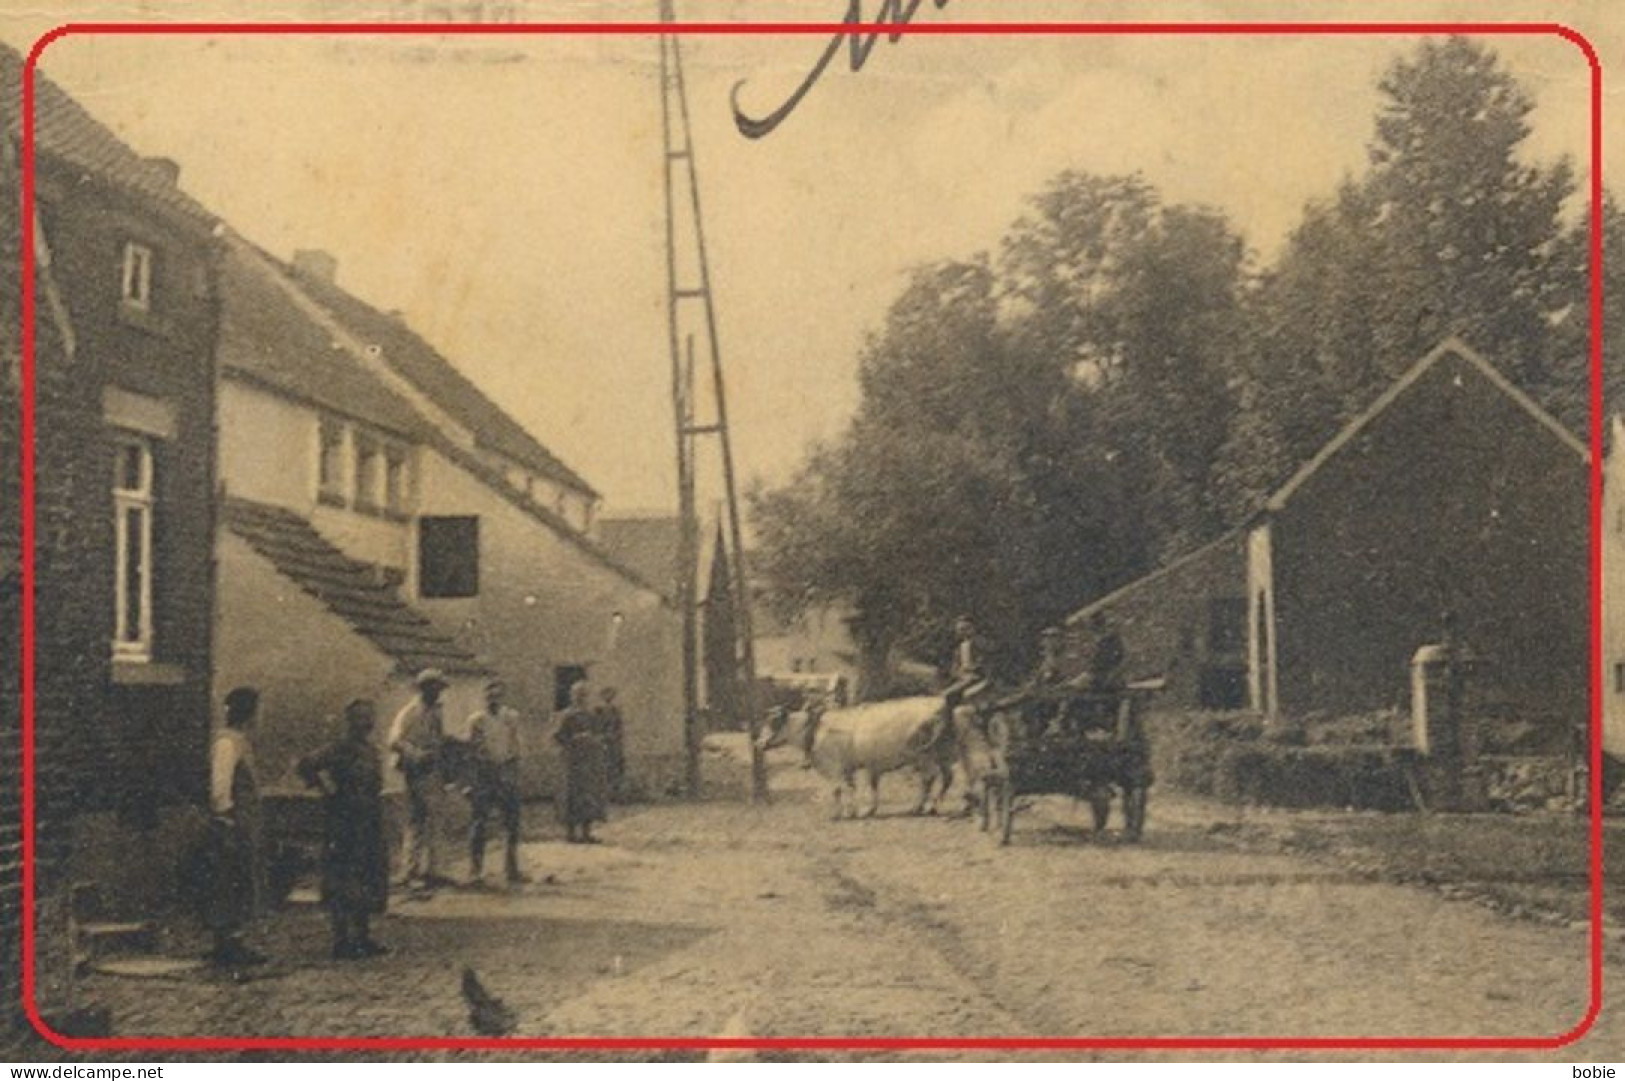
column 929, row 734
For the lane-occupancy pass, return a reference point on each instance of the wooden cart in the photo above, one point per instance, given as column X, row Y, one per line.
column 1090, row 745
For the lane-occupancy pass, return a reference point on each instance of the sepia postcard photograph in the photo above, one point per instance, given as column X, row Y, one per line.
column 826, row 530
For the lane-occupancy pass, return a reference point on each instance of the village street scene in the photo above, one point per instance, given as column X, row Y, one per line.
column 842, row 536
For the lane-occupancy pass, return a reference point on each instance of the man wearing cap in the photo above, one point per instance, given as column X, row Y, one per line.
column 416, row 738
column 494, row 735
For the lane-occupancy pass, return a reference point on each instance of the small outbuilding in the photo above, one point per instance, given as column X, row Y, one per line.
column 1453, row 505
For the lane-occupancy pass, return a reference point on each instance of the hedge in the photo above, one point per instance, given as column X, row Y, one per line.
column 1235, row 758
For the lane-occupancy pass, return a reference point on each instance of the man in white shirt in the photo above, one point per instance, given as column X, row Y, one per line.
column 229, row 893
column 494, row 734
column 417, row 739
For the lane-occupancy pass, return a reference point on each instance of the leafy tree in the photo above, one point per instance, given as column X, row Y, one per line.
column 1031, row 432
column 1567, row 391
column 1478, row 230
column 1116, row 386
column 1449, row 232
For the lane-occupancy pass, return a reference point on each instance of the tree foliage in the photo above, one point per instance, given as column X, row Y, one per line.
column 1448, row 232
column 1116, row 384
column 1016, row 445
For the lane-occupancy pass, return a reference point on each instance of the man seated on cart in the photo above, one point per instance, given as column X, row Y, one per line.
column 1104, row 678
column 1109, row 658
column 1052, row 704
column 1043, row 698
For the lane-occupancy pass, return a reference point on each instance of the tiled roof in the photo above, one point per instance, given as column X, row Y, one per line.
column 266, row 338
column 1452, row 348
column 68, row 134
column 355, row 592
column 476, row 467
column 439, row 379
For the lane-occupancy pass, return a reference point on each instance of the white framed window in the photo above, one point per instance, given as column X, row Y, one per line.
column 137, row 276
column 132, row 530
column 330, row 462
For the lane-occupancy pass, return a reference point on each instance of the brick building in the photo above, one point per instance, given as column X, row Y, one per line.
column 125, row 469
column 1453, row 493
column 65, row 413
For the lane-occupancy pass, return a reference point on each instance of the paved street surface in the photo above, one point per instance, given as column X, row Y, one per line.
column 726, row 920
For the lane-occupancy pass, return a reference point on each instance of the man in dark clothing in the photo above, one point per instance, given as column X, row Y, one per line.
column 1109, row 656
column 355, row 856
column 1106, row 677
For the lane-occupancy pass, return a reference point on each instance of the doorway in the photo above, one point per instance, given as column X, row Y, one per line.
column 564, row 678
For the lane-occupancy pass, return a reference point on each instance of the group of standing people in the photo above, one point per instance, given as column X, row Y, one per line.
column 349, row 774
column 486, row 770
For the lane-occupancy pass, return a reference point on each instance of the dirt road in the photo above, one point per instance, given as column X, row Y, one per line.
column 726, row 920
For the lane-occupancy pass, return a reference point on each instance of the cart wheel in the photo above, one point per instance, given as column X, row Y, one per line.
column 1101, row 804
column 1007, row 811
column 1134, row 801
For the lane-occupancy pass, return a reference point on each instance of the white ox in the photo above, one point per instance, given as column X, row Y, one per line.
column 874, row 739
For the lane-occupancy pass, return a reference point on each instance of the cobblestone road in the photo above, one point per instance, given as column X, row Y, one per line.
column 727, row 920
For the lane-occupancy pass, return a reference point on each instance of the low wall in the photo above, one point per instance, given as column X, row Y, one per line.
column 1533, row 783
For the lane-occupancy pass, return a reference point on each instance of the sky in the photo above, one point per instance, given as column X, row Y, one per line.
column 505, row 193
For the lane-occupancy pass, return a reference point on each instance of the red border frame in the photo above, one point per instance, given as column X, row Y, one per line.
column 810, row 1044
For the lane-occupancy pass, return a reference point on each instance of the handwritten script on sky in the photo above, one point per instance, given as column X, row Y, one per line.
column 895, row 14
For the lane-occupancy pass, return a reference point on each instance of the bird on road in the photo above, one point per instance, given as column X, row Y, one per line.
column 488, row 1014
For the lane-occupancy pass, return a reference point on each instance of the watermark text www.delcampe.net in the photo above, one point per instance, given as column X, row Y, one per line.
column 90, row 1073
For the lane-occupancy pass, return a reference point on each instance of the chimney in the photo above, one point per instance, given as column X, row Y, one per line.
column 316, row 264
column 168, row 168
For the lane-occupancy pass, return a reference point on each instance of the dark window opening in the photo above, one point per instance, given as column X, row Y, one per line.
column 1223, row 687
column 448, row 558
column 331, row 461
column 565, row 678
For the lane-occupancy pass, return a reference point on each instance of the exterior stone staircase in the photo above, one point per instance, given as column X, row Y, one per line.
column 365, row 596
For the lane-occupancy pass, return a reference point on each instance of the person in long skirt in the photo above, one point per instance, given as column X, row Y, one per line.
column 355, row 857
column 580, row 737
column 613, row 726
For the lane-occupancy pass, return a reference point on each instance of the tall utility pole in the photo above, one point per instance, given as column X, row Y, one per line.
column 688, row 289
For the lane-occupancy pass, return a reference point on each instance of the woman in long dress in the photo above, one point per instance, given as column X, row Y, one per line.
column 580, row 737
